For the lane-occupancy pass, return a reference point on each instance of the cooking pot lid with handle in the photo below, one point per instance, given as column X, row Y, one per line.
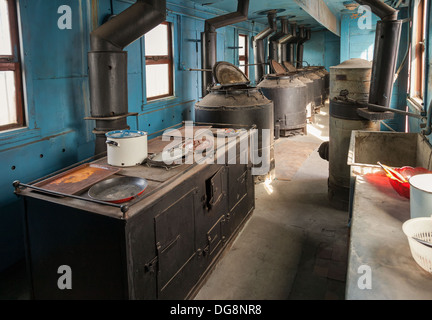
column 227, row 74
column 123, row 134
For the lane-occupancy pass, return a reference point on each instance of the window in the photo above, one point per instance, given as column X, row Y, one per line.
column 159, row 62
column 11, row 102
column 418, row 66
column 243, row 54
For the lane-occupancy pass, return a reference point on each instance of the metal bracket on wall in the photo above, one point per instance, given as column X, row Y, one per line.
column 374, row 115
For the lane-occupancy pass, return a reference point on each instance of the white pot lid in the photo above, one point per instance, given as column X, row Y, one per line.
column 124, row 134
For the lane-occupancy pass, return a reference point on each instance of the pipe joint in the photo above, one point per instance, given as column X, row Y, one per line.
column 381, row 9
column 128, row 26
column 221, row 21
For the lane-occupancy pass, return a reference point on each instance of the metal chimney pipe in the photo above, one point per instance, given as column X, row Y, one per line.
column 386, row 50
column 258, row 43
column 274, row 53
column 209, row 37
column 108, row 64
column 128, row 26
column 304, row 35
column 291, row 45
column 284, row 41
column 381, row 9
column 285, row 26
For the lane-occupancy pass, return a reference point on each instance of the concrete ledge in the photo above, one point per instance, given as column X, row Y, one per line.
column 379, row 248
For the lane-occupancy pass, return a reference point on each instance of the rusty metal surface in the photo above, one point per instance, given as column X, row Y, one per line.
column 157, row 145
column 277, row 67
column 77, row 179
column 227, row 74
column 187, row 131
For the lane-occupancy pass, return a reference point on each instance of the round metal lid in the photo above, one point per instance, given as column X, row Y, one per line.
column 289, row 66
column 227, row 74
column 124, row 134
column 277, row 67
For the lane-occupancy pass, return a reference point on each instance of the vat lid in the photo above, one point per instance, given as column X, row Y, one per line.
column 277, row 67
column 227, row 74
column 289, row 66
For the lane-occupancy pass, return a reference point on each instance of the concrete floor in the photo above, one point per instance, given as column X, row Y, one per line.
column 295, row 244
column 293, row 247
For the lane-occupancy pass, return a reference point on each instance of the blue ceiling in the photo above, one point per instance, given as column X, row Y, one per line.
column 289, row 8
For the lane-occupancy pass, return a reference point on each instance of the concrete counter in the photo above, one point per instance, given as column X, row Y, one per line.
column 380, row 264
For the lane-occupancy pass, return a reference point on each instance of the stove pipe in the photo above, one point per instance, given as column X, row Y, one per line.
column 291, row 44
column 304, row 35
column 274, row 41
column 108, row 64
column 387, row 39
column 209, row 36
column 258, row 43
column 285, row 41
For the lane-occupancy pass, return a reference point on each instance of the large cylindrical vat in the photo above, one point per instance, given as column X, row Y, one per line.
column 310, row 102
column 319, row 77
column 352, row 77
column 289, row 96
column 317, row 86
column 341, row 126
column 326, row 82
column 325, row 76
column 233, row 103
column 239, row 108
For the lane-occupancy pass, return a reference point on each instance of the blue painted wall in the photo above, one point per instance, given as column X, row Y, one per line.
column 356, row 42
column 56, row 100
column 323, row 49
column 57, row 93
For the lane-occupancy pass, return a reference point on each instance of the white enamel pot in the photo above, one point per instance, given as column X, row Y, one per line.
column 126, row 148
column 421, row 195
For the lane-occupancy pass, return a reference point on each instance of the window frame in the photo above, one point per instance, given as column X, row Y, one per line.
column 167, row 59
column 13, row 63
column 244, row 58
column 417, row 70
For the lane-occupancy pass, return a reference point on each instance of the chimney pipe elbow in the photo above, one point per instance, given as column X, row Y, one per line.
column 271, row 17
column 222, row 21
column 381, row 9
column 128, row 26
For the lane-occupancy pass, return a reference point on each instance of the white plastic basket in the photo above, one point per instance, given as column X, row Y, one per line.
column 420, row 228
